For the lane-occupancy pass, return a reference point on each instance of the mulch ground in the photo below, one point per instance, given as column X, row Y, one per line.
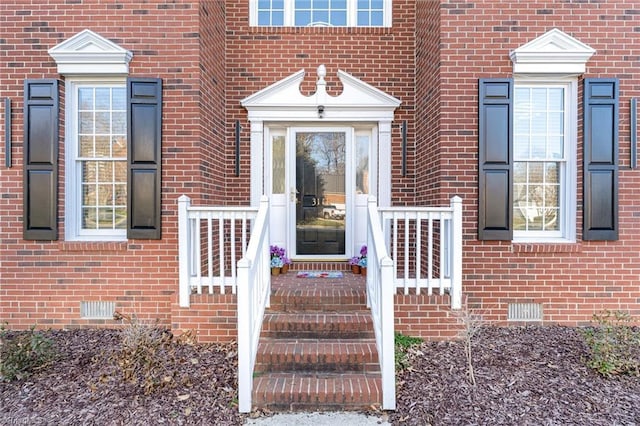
column 524, row 376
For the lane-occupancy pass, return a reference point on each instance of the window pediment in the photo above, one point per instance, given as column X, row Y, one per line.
column 90, row 53
column 554, row 52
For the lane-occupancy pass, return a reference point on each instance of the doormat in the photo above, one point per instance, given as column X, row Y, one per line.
column 319, row 274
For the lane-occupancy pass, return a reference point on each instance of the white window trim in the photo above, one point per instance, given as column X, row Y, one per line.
column 73, row 187
column 352, row 15
column 569, row 189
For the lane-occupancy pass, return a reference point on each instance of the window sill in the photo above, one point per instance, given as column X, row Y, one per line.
column 94, row 246
column 550, row 247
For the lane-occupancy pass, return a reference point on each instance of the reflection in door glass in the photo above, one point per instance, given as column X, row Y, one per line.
column 320, row 185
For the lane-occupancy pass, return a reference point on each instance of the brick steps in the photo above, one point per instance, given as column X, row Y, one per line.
column 313, row 355
column 352, row 325
column 326, row 392
column 317, row 349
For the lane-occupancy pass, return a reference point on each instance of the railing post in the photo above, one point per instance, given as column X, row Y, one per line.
column 387, row 317
column 184, row 203
column 245, row 379
column 456, row 253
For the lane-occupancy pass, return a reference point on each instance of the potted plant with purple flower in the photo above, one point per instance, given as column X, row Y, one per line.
column 278, row 259
column 354, row 262
column 363, row 260
column 359, row 263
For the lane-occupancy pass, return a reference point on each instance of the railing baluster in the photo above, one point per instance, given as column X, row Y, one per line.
column 221, row 249
column 406, row 248
column 209, row 253
column 232, row 226
column 430, row 257
column 418, row 260
column 198, row 253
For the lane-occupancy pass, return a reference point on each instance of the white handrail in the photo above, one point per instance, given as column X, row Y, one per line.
column 210, row 241
column 405, row 228
column 254, row 288
column 380, row 293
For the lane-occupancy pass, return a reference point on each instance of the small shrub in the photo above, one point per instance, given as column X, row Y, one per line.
column 24, row 353
column 614, row 344
column 403, row 344
column 146, row 354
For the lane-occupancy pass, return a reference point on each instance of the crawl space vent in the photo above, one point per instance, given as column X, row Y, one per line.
column 524, row 312
column 97, row 309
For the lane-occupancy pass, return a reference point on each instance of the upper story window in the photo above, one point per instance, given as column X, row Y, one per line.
column 335, row 13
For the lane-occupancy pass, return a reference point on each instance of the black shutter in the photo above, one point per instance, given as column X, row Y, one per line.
column 600, row 159
column 144, row 134
column 40, row 206
column 495, row 138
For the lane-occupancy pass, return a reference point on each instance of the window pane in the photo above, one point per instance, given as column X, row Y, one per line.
column 278, row 184
column 362, row 164
column 120, row 218
column 363, row 19
column 119, row 123
column 339, row 4
column 338, row 19
column 119, row 101
column 303, row 4
column 376, row 19
column 103, row 122
column 89, row 195
column 103, row 99
column 86, row 146
column 86, row 123
column 321, row 16
column 85, row 98
column 119, row 147
column 303, row 18
column 103, row 147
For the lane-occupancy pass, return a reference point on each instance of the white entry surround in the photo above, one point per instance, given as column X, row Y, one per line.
column 282, row 106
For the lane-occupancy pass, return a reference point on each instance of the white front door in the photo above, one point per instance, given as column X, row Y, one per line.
column 319, row 180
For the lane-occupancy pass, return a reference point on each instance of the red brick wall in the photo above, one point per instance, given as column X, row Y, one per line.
column 44, row 282
column 571, row 281
column 258, row 57
column 428, row 105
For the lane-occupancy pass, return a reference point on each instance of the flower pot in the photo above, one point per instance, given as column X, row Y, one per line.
column 355, row 269
column 363, row 270
column 285, row 268
column 275, row 271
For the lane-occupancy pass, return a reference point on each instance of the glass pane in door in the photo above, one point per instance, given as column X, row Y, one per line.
column 320, row 198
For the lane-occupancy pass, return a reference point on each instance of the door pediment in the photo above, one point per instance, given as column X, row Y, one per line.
column 283, row 101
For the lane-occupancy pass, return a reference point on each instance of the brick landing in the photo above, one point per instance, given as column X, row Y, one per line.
column 317, row 348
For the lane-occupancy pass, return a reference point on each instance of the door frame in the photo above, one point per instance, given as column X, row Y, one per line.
column 349, row 189
column 282, row 105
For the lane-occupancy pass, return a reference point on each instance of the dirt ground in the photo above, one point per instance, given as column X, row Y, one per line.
column 524, row 376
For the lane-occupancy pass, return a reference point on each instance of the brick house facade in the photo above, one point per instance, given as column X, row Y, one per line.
column 209, row 59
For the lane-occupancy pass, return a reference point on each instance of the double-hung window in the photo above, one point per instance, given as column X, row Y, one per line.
column 336, row 13
column 543, row 161
column 97, row 161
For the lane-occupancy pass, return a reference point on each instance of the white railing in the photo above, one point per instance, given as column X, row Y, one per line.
column 380, row 292
column 254, row 287
column 211, row 240
column 425, row 244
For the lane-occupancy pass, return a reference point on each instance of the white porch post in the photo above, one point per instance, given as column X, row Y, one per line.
column 456, row 258
column 384, row 164
column 183, row 250
column 258, row 160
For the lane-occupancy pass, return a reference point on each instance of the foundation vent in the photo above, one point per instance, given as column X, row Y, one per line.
column 97, row 309
column 524, row 312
